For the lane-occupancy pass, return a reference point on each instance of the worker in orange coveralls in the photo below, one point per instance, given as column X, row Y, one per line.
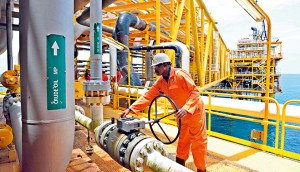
column 179, row 86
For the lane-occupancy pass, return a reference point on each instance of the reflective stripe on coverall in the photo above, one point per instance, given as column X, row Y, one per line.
column 183, row 91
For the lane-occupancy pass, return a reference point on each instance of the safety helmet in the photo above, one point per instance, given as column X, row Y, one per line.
column 160, row 58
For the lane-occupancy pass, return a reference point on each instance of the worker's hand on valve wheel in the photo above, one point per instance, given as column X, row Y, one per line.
column 124, row 113
column 181, row 113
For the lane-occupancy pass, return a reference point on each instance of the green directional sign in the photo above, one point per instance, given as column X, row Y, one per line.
column 56, row 72
column 97, row 34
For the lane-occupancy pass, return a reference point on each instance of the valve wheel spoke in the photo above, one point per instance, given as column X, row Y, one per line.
column 158, row 120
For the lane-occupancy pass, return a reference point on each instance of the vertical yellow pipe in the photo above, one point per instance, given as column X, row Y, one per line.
column 268, row 70
column 170, row 53
column 187, row 24
column 157, row 19
column 202, row 75
column 207, row 48
column 211, row 55
column 174, row 30
column 187, row 30
column 195, row 37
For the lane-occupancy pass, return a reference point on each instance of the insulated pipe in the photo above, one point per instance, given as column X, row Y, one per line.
column 96, row 40
column 9, row 34
column 113, row 62
column 157, row 162
column 16, row 122
column 47, row 72
column 86, row 25
column 135, row 150
column 86, row 13
column 156, row 47
column 149, row 69
column 185, row 58
column 126, row 20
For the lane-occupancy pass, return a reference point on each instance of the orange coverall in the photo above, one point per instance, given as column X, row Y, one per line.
column 183, row 91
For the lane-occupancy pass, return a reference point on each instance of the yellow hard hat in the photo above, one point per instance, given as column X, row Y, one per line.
column 160, row 58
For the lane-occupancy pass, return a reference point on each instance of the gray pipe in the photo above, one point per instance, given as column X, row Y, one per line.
column 135, row 150
column 159, row 47
column 126, row 20
column 14, row 26
column 16, row 122
column 96, row 40
column 85, row 15
column 9, row 35
column 47, row 84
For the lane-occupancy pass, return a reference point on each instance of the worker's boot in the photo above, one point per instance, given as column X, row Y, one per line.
column 180, row 161
column 198, row 170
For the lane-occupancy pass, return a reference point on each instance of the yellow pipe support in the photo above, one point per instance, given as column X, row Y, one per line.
column 196, row 42
column 175, row 29
column 283, row 122
column 202, row 37
column 128, row 7
column 209, row 113
column 207, row 48
column 207, row 86
column 157, row 19
column 277, row 118
column 188, row 24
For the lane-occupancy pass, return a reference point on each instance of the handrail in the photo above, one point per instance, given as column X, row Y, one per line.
column 284, row 125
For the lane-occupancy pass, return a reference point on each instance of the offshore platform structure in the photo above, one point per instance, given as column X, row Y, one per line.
column 248, row 66
column 121, row 36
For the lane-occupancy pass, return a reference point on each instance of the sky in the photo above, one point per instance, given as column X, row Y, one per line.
column 234, row 23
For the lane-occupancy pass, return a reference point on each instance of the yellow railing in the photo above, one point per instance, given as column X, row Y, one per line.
column 284, row 125
column 265, row 121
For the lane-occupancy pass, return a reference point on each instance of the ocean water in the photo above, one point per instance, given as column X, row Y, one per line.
column 290, row 84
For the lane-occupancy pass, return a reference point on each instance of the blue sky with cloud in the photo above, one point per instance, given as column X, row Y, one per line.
column 234, row 23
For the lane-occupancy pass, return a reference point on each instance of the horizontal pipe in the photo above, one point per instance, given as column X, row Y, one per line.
column 157, row 162
column 84, row 120
column 156, row 47
column 14, row 27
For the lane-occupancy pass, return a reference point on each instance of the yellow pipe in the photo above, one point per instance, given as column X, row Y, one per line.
column 202, row 75
column 211, row 54
column 207, row 86
column 175, row 28
column 188, row 24
column 207, row 48
column 277, row 119
column 196, row 43
column 268, row 46
column 283, row 122
column 209, row 113
column 157, row 19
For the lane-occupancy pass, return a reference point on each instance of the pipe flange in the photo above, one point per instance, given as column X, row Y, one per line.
column 112, row 143
column 99, row 130
column 123, row 143
column 105, row 134
column 140, row 153
column 130, row 148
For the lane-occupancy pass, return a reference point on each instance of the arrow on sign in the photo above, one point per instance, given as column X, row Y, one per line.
column 55, row 48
